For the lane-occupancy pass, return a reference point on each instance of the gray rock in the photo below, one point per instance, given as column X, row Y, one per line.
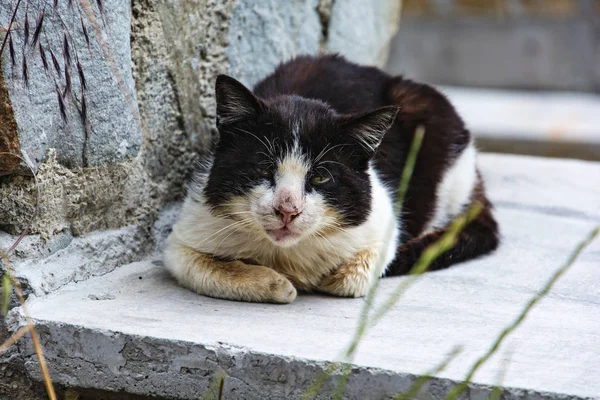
column 367, row 39
column 113, row 132
column 290, row 28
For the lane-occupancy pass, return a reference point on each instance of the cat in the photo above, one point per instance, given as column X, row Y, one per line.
column 299, row 191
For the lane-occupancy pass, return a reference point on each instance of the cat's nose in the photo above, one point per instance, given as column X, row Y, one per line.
column 287, row 213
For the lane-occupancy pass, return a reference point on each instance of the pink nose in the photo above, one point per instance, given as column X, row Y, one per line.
column 287, row 213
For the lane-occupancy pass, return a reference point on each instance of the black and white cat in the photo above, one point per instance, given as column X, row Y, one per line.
column 299, row 191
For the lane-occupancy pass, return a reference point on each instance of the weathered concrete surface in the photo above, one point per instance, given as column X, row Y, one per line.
column 136, row 330
column 558, row 124
column 80, row 200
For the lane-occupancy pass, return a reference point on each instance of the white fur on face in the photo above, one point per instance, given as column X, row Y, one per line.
column 290, row 180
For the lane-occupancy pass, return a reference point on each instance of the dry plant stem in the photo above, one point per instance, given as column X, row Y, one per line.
column 31, row 328
column 4, row 255
column 12, row 19
column 414, row 390
column 521, row 317
column 37, row 204
column 13, row 338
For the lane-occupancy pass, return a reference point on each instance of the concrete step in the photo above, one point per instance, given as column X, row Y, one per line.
column 135, row 330
column 549, row 124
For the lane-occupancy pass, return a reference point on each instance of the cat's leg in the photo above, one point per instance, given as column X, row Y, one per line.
column 479, row 237
column 353, row 278
column 233, row 280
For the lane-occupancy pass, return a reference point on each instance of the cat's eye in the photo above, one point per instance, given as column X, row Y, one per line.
column 319, row 180
column 264, row 172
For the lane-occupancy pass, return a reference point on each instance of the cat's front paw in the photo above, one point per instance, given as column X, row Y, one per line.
column 351, row 279
column 281, row 290
column 267, row 285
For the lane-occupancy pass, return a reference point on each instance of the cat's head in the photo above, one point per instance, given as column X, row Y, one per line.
column 289, row 167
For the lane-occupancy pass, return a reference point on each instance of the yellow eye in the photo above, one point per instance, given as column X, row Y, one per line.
column 319, row 180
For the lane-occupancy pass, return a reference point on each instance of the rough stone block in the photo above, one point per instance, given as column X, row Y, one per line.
column 113, row 133
column 367, row 38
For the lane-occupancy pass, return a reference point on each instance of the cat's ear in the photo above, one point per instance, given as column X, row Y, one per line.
column 369, row 128
column 235, row 101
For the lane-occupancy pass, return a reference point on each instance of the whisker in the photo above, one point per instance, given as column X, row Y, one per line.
column 234, row 224
column 230, row 233
column 269, row 148
column 332, row 162
column 323, row 153
column 332, row 247
column 329, row 172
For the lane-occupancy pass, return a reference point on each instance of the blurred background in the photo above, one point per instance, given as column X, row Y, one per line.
column 525, row 74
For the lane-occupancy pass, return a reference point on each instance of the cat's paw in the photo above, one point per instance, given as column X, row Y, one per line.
column 270, row 286
column 351, row 279
column 281, row 290
column 345, row 285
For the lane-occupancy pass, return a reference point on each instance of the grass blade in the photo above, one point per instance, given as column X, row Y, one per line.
column 66, row 51
column 61, row 105
column 81, row 76
column 67, row 82
column 8, row 30
column 414, row 390
column 85, row 34
column 24, row 70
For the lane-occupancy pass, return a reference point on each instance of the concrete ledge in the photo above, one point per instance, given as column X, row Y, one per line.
column 135, row 330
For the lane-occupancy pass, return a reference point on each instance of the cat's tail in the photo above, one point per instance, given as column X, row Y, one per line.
column 479, row 237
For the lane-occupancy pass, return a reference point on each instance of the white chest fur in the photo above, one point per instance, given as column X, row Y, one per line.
column 306, row 262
